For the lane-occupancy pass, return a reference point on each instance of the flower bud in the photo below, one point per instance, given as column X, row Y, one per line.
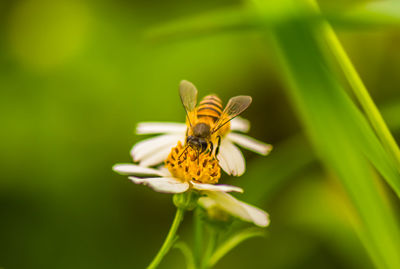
column 186, row 200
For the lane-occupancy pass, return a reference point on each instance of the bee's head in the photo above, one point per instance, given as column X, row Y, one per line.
column 197, row 143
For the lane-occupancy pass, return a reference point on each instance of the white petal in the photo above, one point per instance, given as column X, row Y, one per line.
column 211, row 187
column 164, row 170
column 160, row 127
column 157, row 157
column 240, row 124
column 250, row 143
column 162, row 184
column 148, row 147
column 136, row 170
column 206, row 202
column 257, row 215
column 238, row 208
column 231, row 159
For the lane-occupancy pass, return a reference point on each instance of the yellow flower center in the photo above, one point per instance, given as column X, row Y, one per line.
column 185, row 165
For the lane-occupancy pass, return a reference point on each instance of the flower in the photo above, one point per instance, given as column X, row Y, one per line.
column 188, row 171
column 183, row 173
column 153, row 151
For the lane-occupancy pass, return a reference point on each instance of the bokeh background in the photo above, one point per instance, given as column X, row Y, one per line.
column 75, row 79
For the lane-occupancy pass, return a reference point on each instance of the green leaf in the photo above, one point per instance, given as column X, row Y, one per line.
column 369, row 15
column 187, row 253
column 340, row 134
column 233, row 242
column 233, row 19
column 216, row 22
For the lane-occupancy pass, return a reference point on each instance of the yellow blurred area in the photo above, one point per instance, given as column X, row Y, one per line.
column 46, row 34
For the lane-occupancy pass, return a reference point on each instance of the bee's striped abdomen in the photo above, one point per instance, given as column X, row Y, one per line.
column 210, row 106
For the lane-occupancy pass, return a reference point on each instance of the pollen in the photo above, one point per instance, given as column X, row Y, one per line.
column 188, row 165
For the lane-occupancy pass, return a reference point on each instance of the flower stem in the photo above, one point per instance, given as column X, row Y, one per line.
column 169, row 241
column 198, row 236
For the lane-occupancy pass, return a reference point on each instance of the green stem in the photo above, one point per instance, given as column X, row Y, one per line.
column 361, row 93
column 198, row 236
column 212, row 243
column 169, row 241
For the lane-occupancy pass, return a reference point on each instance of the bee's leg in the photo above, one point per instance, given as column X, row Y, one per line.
column 183, row 151
column 219, row 144
column 211, row 148
column 198, row 157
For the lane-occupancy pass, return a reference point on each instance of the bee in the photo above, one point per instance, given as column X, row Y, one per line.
column 208, row 123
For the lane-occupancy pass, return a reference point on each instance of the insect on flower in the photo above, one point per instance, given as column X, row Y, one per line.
column 200, row 174
column 207, row 123
column 155, row 150
column 192, row 171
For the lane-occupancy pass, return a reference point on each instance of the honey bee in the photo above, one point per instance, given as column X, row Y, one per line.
column 208, row 123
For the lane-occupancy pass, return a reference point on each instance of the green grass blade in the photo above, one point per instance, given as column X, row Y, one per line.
column 337, row 131
column 360, row 91
column 331, row 121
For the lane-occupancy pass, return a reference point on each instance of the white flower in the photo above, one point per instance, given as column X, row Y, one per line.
column 161, row 180
column 153, row 151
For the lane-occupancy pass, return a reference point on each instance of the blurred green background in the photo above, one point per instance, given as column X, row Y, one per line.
column 75, row 79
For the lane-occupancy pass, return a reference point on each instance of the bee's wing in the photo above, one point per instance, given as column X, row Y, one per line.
column 234, row 108
column 188, row 94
